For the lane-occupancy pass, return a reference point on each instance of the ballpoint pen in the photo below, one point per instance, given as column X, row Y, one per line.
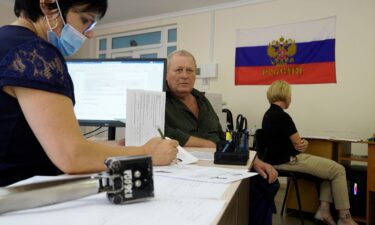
column 163, row 137
column 161, row 133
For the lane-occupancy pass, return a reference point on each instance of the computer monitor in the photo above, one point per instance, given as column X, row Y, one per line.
column 100, row 86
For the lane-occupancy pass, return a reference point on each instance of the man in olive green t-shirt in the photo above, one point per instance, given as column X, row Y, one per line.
column 189, row 116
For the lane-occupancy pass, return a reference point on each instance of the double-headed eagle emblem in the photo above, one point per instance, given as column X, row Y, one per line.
column 281, row 51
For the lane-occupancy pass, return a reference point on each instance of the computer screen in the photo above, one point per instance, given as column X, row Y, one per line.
column 100, row 86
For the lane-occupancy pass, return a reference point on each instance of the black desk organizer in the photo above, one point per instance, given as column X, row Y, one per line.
column 234, row 152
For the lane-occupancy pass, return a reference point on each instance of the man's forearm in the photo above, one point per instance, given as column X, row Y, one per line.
column 199, row 142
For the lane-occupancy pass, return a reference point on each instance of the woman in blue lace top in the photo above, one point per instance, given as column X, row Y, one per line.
column 39, row 134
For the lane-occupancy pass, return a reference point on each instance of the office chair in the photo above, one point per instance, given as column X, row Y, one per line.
column 260, row 146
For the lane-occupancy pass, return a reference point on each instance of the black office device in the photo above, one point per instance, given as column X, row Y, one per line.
column 127, row 179
column 357, row 187
column 100, row 87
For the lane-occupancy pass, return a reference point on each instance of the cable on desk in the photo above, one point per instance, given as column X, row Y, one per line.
column 103, row 131
column 93, row 131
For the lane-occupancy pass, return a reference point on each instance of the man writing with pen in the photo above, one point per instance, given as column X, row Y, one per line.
column 191, row 120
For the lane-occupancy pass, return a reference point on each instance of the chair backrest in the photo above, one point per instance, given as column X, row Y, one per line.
column 260, row 145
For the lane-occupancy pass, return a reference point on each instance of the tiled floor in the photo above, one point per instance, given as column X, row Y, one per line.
column 293, row 217
column 288, row 219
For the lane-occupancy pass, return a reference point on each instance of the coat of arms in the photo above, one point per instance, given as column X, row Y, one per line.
column 281, row 51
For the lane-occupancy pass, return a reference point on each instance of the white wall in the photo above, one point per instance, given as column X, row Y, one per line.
column 6, row 13
column 343, row 109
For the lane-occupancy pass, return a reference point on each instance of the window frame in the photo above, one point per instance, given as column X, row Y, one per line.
column 161, row 49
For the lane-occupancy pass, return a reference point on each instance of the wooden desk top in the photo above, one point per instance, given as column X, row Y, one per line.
column 235, row 187
column 335, row 139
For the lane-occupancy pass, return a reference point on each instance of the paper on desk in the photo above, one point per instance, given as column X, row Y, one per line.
column 202, row 173
column 145, row 112
column 184, row 157
column 172, row 187
column 97, row 210
column 164, row 186
column 206, row 156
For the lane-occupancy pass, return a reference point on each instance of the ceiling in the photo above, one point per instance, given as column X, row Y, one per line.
column 126, row 10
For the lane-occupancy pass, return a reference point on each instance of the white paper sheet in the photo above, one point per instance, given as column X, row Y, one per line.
column 164, row 186
column 145, row 113
column 96, row 210
column 184, row 157
column 202, row 173
column 172, row 187
column 172, row 205
column 207, row 156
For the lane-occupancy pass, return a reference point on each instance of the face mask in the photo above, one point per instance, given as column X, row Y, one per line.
column 70, row 41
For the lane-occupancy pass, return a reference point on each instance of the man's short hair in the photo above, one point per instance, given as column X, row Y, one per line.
column 181, row 53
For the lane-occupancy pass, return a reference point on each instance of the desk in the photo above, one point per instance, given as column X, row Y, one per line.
column 340, row 151
column 236, row 210
column 96, row 210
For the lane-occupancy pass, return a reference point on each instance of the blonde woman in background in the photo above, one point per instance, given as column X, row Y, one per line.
column 285, row 150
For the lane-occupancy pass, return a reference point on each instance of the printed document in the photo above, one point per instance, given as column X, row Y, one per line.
column 167, row 187
column 166, row 208
column 145, row 113
column 202, row 173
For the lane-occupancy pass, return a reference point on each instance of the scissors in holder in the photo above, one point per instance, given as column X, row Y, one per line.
column 241, row 123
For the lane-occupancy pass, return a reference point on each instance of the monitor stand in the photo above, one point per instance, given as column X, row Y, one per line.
column 111, row 133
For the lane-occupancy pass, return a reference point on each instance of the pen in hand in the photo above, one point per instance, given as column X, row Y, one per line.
column 161, row 133
column 163, row 137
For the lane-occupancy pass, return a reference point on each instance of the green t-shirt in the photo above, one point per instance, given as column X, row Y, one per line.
column 180, row 122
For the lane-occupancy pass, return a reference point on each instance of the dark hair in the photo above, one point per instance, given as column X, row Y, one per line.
column 31, row 8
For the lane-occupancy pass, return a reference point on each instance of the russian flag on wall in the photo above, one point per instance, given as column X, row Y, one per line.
column 300, row 53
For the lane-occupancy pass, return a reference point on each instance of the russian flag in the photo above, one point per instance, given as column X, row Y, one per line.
column 300, row 53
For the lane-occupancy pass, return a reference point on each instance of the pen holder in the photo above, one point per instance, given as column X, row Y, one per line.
column 233, row 152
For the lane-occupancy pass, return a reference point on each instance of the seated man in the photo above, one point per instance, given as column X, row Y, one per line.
column 189, row 116
column 190, row 119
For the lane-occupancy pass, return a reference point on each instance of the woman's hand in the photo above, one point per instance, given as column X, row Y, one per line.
column 162, row 151
column 302, row 146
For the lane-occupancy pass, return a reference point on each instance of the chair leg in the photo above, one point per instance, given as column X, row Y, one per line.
column 317, row 185
column 285, row 196
column 298, row 200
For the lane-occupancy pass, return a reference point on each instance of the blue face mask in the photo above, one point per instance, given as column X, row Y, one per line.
column 70, row 41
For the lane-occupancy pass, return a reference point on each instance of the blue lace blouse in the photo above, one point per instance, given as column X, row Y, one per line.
column 26, row 61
